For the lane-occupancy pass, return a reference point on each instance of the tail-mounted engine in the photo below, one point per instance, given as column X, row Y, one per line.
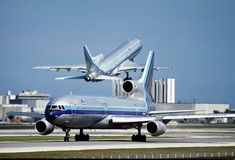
column 129, row 86
column 44, row 127
column 156, row 128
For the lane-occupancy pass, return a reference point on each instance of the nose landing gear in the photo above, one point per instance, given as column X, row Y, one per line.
column 67, row 135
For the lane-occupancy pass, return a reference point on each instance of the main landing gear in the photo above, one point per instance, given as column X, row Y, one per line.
column 139, row 137
column 127, row 77
column 78, row 137
column 81, row 136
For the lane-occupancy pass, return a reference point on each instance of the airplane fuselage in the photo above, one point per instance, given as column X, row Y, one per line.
column 110, row 63
column 78, row 112
column 127, row 50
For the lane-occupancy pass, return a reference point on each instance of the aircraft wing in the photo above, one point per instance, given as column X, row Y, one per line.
column 81, row 68
column 167, row 118
column 171, row 112
column 34, row 115
column 130, row 65
column 198, row 116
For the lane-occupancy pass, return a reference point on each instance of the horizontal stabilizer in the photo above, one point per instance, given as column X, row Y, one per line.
column 70, row 77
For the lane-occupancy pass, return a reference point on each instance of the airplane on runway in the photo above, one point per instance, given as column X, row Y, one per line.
column 87, row 112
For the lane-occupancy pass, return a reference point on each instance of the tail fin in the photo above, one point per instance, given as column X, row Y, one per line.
column 146, row 79
column 89, row 60
column 147, row 76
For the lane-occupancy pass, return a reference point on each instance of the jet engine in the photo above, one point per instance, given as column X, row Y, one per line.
column 156, row 128
column 129, row 86
column 90, row 77
column 44, row 127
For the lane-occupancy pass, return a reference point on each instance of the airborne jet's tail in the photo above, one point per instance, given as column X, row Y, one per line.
column 89, row 60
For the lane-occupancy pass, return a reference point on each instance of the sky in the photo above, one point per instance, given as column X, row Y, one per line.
column 195, row 37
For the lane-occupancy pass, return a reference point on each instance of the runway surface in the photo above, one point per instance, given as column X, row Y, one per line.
column 194, row 137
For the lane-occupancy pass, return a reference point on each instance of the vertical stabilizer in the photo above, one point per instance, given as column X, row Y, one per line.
column 88, row 58
column 147, row 76
column 146, row 79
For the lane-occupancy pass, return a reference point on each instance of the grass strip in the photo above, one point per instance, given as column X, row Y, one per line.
column 107, row 153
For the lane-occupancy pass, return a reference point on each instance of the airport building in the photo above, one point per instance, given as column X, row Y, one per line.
column 25, row 101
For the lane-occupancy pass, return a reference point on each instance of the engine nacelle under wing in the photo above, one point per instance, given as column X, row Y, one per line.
column 156, row 128
column 44, row 127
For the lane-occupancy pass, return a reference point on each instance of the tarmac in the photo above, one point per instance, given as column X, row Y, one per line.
column 186, row 137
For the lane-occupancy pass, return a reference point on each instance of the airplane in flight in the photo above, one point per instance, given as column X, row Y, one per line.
column 87, row 112
column 100, row 68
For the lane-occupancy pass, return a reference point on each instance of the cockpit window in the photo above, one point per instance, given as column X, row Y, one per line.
column 54, row 107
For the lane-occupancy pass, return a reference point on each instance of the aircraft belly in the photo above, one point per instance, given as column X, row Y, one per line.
column 87, row 122
column 77, row 121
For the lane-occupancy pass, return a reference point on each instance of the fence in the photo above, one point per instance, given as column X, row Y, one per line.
column 169, row 156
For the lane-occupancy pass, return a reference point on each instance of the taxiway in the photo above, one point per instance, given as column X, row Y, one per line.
column 194, row 137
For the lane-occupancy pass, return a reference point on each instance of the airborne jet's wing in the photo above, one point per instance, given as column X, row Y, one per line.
column 81, row 67
column 130, row 65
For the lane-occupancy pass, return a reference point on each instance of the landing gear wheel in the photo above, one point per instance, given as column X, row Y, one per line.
column 138, row 138
column 66, row 139
column 81, row 136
